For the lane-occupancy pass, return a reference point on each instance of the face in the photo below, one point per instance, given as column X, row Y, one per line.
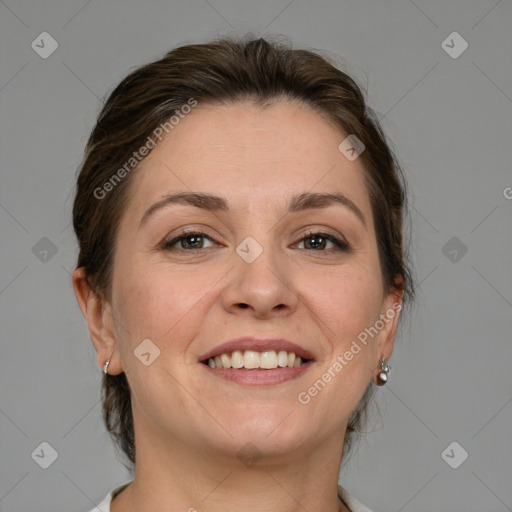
column 190, row 276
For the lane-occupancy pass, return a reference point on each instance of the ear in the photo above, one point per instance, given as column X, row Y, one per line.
column 391, row 308
column 98, row 315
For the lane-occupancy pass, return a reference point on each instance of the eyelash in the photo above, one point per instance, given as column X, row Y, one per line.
column 340, row 245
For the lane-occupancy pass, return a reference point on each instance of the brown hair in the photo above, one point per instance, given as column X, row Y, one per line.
column 226, row 70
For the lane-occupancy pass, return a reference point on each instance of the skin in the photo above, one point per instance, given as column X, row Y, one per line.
column 189, row 424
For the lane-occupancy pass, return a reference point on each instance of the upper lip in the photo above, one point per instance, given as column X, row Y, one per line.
column 258, row 345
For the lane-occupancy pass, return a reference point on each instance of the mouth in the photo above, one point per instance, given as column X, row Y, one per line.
column 254, row 360
column 251, row 361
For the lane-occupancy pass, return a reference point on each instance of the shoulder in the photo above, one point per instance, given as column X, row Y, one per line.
column 354, row 505
column 104, row 505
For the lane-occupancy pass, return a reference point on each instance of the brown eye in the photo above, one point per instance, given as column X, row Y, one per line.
column 320, row 241
column 187, row 241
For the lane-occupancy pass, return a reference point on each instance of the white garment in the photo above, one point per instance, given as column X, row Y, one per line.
column 354, row 505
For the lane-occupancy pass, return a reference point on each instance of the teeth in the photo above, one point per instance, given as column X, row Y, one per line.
column 226, row 361
column 250, row 360
column 237, row 359
column 268, row 360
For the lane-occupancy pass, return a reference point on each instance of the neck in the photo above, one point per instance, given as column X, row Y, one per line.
column 177, row 477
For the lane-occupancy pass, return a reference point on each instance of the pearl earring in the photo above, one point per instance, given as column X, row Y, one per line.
column 382, row 377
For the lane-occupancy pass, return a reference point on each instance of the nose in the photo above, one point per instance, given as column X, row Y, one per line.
column 261, row 289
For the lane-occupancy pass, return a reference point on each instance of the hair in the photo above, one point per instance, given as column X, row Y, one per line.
column 222, row 72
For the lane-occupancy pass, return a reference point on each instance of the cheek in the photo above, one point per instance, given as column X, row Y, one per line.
column 160, row 304
column 347, row 310
column 348, row 302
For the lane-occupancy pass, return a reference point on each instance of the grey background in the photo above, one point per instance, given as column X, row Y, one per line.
column 450, row 120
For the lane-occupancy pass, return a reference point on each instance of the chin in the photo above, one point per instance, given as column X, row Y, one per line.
column 274, row 433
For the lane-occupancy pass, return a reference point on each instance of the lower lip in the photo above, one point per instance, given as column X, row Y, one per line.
column 259, row 377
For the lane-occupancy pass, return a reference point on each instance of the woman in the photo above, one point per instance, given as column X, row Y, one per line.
column 241, row 272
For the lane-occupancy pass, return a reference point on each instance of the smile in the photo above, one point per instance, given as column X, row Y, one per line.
column 253, row 360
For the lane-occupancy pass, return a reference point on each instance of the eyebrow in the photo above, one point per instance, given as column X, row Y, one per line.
column 212, row 203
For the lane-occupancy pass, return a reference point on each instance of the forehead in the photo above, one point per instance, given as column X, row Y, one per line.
column 250, row 153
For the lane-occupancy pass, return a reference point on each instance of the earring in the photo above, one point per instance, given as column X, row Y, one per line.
column 106, row 366
column 382, row 377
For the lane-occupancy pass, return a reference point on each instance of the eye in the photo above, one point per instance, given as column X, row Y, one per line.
column 319, row 242
column 193, row 240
